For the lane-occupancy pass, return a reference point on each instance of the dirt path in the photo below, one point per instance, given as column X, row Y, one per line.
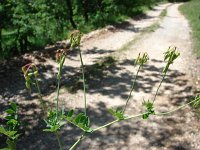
column 109, row 83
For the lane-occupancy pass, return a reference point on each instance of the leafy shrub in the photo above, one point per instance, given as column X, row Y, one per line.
column 12, row 127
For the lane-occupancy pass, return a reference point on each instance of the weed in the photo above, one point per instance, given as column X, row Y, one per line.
column 11, row 130
column 191, row 12
column 57, row 118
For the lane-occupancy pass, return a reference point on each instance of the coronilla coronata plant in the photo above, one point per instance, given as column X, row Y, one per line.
column 75, row 38
column 57, row 117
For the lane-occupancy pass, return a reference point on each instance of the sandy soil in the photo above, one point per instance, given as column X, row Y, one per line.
column 108, row 86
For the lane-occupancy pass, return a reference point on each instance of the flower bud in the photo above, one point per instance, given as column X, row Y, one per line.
column 75, row 38
column 142, row 59
column 36, row 73
column 30, row 75
column 28, row 85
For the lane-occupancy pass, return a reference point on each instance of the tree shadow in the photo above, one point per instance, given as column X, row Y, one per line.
column 95, row 50
column 163, row 135
column 106, row 77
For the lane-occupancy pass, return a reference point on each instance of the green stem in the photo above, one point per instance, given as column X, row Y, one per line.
column 131, row 117
column 108, row 124
column 180, row 107
column 84, row 85
column 117, row 120
column 58, row 81
column 57, row 96
column 58, row 139
column 77, row 142
column 132, row 88
column 40, row 95
column 163, row 77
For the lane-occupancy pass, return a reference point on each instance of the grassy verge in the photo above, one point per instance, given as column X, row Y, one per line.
column 192, row 13
column 148, row 29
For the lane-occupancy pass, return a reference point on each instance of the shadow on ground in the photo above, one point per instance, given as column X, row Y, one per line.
column 106, row 77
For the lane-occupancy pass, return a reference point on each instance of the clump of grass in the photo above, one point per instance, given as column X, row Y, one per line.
column 149, row 29
column 155, row 25
column 191, row 11
column 163, row 13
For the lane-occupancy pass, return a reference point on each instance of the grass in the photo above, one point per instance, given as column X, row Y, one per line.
column 163, row 13
column 191, row 11
column 155, row 25
column 151, row 28
column 148, row 29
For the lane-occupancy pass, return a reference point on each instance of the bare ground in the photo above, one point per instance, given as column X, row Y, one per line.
column 109, row 83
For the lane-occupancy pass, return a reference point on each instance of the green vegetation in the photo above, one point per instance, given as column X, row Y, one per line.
column 151, row 28
column 11, row 129
column 163, row 13
column 30, row 25
column 148, row 29
column 191, row 11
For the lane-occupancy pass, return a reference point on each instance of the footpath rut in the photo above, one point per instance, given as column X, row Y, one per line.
column 109, row 85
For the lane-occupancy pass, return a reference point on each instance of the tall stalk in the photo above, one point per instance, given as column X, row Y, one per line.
column 31, row 76
column 58, row 139
column 75, row 39
column 169, row 56
column 132, row 88
column 57, row 96
column 77, row 142
column 141, row 60
column 61, row 62
column 84, row 85
column 40, row 95
column 163, row 77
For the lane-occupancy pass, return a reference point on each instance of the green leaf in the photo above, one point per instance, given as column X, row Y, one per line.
column 10, row 134
column 14, row 106
column 197, row 101
column 70, row 113
column 112, row 111
column 9, row 117
column 88, row 121
column 28, row 85
column 11, row 144
column 10, row 111
column 145, row 116
column 149, row 109
column 77, row 119
column 12, row 122
column 81, row 121
column 52, row 129
column 118, row 114
column 16, row 136
column 2, row 130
